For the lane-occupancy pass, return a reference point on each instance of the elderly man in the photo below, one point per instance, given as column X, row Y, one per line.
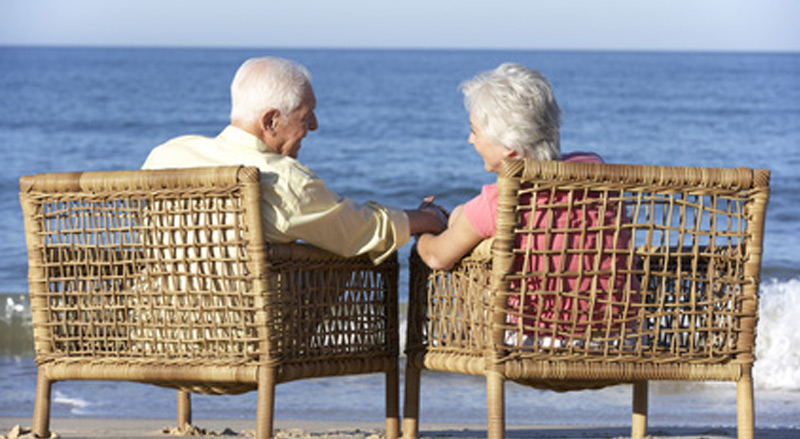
column 272, row 111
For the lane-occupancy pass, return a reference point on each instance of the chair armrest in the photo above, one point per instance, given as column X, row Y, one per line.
column 482, row 252
column 297, row 251
column 321, row 305
column 448, row 309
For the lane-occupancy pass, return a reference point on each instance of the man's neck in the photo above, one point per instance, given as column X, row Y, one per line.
column 254, row 130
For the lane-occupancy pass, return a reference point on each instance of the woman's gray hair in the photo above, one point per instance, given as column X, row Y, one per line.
column 265, row 83
column 514, row 106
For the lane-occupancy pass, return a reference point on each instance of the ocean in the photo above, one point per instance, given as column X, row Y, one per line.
column 393, row 129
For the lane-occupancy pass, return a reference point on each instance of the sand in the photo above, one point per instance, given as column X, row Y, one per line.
column 68, row 428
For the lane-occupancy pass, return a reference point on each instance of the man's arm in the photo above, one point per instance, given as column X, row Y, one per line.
column 308, row 211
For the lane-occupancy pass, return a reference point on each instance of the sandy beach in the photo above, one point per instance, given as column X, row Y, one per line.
column 114, row 104
column 73, row 428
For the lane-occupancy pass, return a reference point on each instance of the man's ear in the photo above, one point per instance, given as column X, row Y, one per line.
column 270, row 120
column 510, row 153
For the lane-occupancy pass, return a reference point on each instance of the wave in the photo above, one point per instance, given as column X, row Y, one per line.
column 77, row 406
column 13, row 306
column 777, row 365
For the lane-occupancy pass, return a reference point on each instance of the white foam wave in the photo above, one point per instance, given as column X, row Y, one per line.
column 778, row 359
column 11, row 306
column 14, row 305
column 77, row 406
column 777, row 363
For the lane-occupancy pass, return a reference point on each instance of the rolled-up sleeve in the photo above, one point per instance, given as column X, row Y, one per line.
column 303, row 208
column 296, row 204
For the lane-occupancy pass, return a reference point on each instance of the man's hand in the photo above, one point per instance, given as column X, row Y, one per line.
column 441, row 212
column 427, row 218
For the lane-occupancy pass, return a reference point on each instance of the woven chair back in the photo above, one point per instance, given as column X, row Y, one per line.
column 153, row 265
column 629, row 261
column 611, row 264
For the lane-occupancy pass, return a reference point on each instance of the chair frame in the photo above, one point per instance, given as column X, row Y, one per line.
column 459, row 319
column 163, row 277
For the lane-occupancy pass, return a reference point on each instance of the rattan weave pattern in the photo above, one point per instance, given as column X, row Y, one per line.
column 121, row 277
column 599, row 274
column 163, row 277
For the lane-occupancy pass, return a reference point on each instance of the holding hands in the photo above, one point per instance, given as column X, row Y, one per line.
column 427, row 218
column 428, row 205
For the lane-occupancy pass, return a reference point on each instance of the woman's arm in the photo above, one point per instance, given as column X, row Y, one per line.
column 457, row 211
column 441, row 251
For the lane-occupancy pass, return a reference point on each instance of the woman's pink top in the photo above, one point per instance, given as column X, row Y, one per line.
column 481, row 212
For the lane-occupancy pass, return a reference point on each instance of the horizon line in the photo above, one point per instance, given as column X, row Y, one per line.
column 395, row 48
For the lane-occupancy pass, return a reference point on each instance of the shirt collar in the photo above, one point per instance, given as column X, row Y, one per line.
column 242, row 139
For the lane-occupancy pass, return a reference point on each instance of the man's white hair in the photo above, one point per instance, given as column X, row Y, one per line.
column 267, row 83
column 514, row 106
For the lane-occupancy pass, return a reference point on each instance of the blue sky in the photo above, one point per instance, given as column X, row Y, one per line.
column 742, row 25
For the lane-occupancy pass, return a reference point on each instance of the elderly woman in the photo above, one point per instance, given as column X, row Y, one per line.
column 513, row 114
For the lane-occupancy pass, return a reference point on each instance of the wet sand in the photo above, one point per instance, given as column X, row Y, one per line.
column 90, row 428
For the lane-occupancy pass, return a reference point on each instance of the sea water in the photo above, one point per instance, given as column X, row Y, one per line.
column 393, row 129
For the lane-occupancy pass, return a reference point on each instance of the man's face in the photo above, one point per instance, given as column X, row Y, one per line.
column 293, row 127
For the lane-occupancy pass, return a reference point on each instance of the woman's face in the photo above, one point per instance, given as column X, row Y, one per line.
column 491, row 152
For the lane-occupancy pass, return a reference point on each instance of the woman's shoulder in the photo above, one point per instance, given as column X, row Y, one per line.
column 582, row 157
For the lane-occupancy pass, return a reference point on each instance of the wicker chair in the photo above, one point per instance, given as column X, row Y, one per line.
column 672, row 293
column 163, row 277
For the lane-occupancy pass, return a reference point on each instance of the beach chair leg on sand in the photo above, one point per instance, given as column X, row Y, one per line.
column 495, row 405
column 392, row 404
column 41, row 410
column 639, row 423
column 745, row 409
column 184, row 409
column 265, row 407
column 411, row 404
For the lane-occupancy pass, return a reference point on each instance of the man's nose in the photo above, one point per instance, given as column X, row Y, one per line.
column 312, row 125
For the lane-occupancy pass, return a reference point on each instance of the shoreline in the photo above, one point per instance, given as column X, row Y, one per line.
column 131, row 428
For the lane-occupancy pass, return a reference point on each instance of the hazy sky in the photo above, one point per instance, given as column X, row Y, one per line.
column 760, row 25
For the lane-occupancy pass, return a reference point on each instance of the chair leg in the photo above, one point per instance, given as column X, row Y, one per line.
column 41, row 409
column 184, row 409
column 745, row 410
column 495, row 405
column 392, row 404
column 639, row 425
column 265, row 405
column 411, row 403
